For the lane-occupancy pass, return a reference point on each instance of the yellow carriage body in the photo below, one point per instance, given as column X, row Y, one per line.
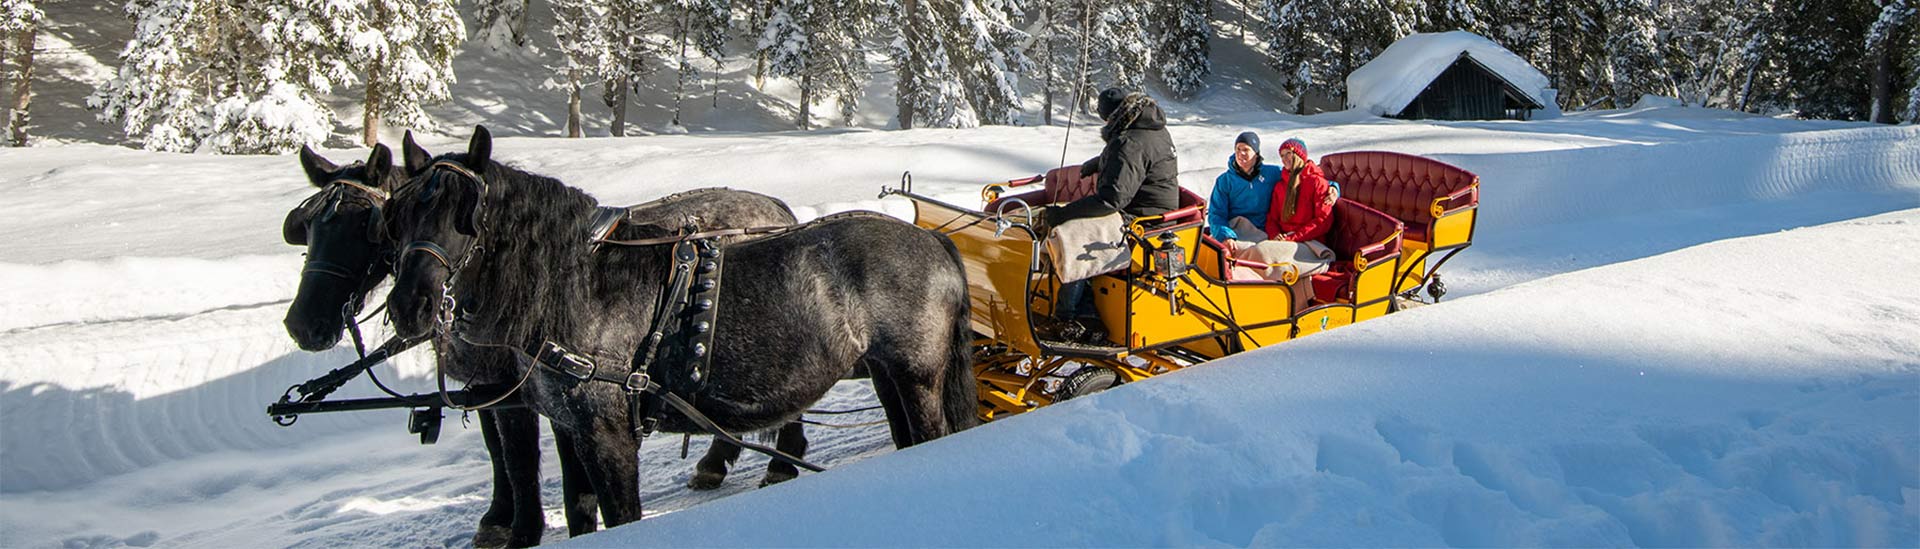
column 1212, row 311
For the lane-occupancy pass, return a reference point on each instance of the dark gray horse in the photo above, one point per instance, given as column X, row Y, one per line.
column 348, row 256
column 797, row 311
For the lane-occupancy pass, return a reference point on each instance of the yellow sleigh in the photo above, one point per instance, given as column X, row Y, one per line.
column 1183, row 299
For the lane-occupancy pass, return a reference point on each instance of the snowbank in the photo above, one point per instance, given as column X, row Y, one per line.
column 1392, row 79
column 1708, row 397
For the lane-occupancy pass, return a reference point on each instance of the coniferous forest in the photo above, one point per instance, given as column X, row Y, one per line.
column 253, row 76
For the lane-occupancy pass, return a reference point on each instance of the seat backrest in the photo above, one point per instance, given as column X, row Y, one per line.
column 1064, row 184
column 1401, row 185
column 1356, row 226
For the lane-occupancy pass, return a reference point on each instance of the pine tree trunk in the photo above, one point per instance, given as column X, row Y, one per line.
column 806, row 101
column 21, row 88
column 573, row 105
column 1046, row 110
column 1882, row 107
column 370, row 117
column 904, row 87
column 680, row 80
column 620, row 108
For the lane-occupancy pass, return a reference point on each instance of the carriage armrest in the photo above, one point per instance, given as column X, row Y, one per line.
column 1377, row 252
column 1182, row 214
column 1024, row 181
column 1458, row 200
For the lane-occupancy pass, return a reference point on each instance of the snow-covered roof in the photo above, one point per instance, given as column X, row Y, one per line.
column 1391, row 80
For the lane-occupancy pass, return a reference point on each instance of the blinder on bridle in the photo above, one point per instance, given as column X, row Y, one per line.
column 322, row 206
column 466, row 224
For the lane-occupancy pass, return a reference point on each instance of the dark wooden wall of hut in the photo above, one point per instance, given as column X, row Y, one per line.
column 1466, row 91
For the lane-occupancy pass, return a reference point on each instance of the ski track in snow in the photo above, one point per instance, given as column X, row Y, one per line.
column 138, row 350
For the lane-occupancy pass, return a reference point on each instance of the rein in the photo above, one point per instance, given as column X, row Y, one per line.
column 695, row 269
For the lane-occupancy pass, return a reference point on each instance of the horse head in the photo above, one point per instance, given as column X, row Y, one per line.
column 436, row 218
column 347, row 252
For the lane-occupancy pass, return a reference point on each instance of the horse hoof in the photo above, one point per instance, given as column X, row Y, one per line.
column 706, row 481
column 492, row 537
column 773, row 478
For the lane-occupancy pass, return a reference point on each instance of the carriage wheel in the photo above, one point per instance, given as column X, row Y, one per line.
column 1085, row 381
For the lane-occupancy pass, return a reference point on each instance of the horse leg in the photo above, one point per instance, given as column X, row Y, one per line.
column 712, row 468
column 793, row 442
column 519, row 430
column 495, row 524
column 886, row 391
column 581, row 503
column 916, row 384
column 611, row 458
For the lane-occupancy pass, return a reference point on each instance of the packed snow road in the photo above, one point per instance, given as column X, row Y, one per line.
column 140, row 339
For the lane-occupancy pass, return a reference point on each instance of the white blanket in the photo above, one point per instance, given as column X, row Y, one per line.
column 1304, row 259
column 1083, row 248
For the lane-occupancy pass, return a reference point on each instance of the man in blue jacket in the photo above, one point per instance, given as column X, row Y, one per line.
column 1241, row 195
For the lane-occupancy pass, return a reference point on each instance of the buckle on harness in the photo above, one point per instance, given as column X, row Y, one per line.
column 637, row 382
column 553, row 356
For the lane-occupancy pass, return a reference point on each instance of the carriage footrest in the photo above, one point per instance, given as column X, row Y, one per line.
column 1082, row 349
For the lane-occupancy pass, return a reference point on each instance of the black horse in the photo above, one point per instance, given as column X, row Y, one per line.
column 348, row 256
column 717, row 207
column 796, row 311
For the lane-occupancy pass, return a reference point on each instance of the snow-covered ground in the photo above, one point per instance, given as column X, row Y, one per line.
column 1676, row 327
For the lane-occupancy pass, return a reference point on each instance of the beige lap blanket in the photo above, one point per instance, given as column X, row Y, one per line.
column 1083, row 248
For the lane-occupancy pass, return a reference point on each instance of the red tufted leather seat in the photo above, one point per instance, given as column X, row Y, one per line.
column 1402, row 185
column 1065, row 184
column 1358, row 231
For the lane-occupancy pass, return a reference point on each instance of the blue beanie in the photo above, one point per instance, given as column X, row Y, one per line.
column 1251, row 139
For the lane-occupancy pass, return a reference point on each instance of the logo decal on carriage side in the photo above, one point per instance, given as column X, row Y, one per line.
column 1323, row 322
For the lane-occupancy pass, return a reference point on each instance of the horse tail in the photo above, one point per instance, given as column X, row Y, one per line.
column 960, row 395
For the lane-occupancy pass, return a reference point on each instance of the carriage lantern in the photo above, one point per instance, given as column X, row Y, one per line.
column 1170, row 262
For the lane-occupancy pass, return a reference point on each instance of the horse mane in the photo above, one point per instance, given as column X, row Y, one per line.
column 536, row 268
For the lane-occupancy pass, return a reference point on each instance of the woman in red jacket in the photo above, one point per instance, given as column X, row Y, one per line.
column 1301, row 210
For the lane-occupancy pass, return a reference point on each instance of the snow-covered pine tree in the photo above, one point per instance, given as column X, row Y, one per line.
column 628, row 32
column 1888, row 31
column 583, row 50
column 700, row 28
column 1452, row 15
column 19, row 26
column 407, row 49
column 229, row 77
column 502, row 23
column 1634, row 59
column 1317, row 43
column 1703, row 52
column 990, row 57
column 1121, row 44
column 1824, row 56
column 1060, row 49
column 928, row 88
column 956, row 61
column 1182, row 45
column 817, row 42
column 1912, row 112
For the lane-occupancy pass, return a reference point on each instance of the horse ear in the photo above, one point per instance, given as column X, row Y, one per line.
column 378, row 164
column 480, row 150
column 319, row 169
column 414, row 155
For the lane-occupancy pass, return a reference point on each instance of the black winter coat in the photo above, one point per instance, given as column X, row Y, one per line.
column 1138, row 172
